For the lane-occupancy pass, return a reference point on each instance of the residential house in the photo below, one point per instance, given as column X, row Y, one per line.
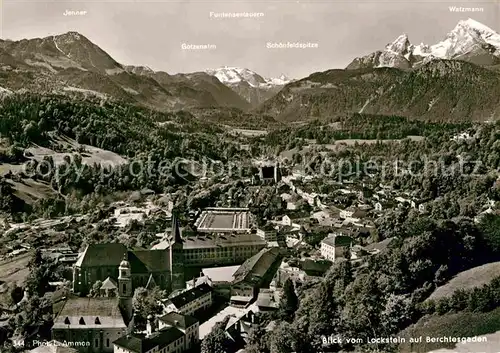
column 174, row 333
column 357, row 252
column 488, row 211
column 220, row 276
column 335, row 246
column 289, row 271
column 197, row 281
column 315, row 268
column 99, row 262
column 185, row 323
column 352, row 214
column 53, row 347
column 418, row 205
column 402, row 201
column 190, row 301
column 286, row 221
column 383, row 205
column 269, row 233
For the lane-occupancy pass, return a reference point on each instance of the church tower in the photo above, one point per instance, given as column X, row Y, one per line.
column 176, row 256
column 125, row 290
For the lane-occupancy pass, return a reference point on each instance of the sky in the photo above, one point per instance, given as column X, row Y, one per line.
column 151, row 33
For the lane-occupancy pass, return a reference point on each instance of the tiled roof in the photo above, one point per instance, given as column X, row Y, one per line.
column 140, row 343
column 226, row 240
column 147, row 261
column 88, row 313
column 178, row 320
column 257, row 266
column 107, row 254
column 381, row 245
column 190, row 295
column 207, row 240
column 111, row 254
column 337, row 240
column 108, row 283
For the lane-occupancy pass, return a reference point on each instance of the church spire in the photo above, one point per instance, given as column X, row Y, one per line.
column 176, row 230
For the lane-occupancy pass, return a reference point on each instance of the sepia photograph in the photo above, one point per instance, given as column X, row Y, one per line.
column 249, row 176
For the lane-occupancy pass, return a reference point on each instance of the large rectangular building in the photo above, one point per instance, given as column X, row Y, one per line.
column 223, row 220
column 255, row 273
column 190, row 301
column 222, row 236
column 217, row 250
column 90, row 325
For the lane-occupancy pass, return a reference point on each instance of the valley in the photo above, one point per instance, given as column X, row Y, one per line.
column 223, row 210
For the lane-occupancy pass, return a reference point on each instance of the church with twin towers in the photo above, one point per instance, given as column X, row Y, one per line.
column 221, row 236
column 122, row 270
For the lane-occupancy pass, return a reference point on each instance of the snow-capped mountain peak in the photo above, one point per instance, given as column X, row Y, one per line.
column 253, row 87
column 467, row 36
column 469, row 40
column 280, row 81
column 476, row 26
column 235, row 75
column 400, row 46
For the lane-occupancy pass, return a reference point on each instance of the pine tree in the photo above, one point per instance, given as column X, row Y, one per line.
column 289, row 302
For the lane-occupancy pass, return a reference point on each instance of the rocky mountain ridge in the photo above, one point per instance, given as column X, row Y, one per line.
column 469, row 41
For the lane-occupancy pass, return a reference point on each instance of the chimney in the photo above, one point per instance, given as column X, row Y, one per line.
column 150, row 326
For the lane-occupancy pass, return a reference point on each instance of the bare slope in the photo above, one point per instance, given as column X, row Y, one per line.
column 472, row 278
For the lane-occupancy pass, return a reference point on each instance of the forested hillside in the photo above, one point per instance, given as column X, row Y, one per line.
column 441, row 90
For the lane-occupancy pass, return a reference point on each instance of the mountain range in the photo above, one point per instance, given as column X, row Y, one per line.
column 457, row 78
column 469, row 41
column 254, row 88
column 71, row 63
column 440, row 90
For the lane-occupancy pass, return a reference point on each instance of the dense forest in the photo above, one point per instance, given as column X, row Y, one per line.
column 159, row 148
column 458, row 177
column 362, row 126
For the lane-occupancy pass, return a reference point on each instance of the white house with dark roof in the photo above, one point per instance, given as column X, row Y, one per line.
column 53, row 347
column 185, row 323
column 334, row 246
column 166, row 340
column 190, row 301
column 170, row 333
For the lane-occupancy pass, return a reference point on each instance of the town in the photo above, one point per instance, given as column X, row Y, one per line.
column 325, row 202
column 220, row 264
